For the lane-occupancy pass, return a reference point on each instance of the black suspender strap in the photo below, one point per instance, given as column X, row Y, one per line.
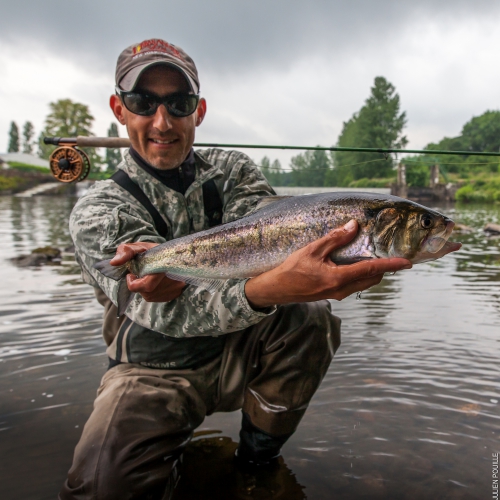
column 123, row 180
column 212, row 203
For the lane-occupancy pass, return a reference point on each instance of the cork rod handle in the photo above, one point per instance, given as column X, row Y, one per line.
column 103, row 142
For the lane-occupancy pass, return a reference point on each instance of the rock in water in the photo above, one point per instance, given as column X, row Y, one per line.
column 39, row 257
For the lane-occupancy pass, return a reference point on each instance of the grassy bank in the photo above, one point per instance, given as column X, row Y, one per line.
column 480, row 189
column 20, row 177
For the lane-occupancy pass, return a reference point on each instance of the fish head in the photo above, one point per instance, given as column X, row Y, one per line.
column 409, row 230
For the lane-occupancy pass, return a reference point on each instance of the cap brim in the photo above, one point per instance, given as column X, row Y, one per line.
column 129, row 81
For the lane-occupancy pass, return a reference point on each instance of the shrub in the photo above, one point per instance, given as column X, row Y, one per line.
column 10, row 183
column 470, row 194
column 417, row 175
column 28, row 168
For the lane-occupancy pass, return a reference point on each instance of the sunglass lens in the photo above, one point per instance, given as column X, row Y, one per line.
column 140, row 104
column 182, row 105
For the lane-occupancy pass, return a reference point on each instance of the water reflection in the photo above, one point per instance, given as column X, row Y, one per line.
column 408, row 409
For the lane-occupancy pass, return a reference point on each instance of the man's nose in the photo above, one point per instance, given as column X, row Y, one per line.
column 162, row 120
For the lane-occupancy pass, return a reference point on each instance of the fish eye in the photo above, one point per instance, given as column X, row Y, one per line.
column 426, row 221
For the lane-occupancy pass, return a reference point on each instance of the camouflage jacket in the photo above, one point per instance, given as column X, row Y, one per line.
column 107, row 216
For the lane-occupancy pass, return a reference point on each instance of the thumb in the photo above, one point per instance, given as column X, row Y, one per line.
column 339, row 237
column 127, row 251
column 123, row 254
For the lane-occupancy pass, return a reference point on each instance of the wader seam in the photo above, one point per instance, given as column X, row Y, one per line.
column 98, row 465
column 223, row 363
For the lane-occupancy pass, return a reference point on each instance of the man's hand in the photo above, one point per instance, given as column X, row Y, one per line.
column 152, row 287
column 309, row 274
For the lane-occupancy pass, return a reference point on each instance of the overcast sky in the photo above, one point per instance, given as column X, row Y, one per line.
column 274, row 71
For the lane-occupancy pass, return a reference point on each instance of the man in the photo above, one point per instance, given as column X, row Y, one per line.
column 181, row 353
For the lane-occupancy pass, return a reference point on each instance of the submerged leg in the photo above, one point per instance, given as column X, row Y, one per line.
column 141, row 423
column 272, row 371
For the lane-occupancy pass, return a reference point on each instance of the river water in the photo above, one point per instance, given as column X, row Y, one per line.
column 410, row 408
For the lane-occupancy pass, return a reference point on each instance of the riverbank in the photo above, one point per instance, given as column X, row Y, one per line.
column 480, row 188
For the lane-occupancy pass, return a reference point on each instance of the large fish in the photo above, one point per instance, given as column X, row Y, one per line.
column 388, row 227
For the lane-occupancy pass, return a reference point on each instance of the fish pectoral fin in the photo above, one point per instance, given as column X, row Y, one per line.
column 114, row 272
column 209, row 284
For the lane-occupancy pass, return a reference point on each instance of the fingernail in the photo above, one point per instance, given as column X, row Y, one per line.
column 350, row 225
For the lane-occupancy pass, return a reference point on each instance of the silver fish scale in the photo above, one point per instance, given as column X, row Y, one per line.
column 261, row 241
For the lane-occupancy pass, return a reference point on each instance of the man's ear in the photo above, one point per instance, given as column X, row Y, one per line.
column 116, row 105
column 201, row 110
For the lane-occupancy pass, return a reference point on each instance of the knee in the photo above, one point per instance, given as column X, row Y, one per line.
column 168, row 401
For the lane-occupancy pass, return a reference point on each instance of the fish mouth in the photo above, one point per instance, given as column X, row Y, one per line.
column 435, row 242
column 448, row 247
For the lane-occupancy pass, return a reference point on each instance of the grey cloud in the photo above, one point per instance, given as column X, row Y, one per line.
column 227, row 34
column 283, row 72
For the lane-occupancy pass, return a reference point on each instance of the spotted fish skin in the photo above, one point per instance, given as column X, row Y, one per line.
column 388, row 227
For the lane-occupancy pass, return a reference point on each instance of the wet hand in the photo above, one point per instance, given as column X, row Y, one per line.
column 309, row 274
column 127, row 251
column 152, row 287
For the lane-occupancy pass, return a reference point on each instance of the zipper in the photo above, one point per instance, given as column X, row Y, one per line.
column 181, row 175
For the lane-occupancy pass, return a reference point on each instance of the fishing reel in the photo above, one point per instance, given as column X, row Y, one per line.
column 69, row 164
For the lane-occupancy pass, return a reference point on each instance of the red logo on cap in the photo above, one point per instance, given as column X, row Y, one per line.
column 157, row 45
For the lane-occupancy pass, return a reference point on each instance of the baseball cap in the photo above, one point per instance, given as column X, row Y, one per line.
column 140, row 56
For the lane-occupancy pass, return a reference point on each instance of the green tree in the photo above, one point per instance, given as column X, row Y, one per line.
column 274, row 173
column 13, row 138
column 481, row 133
column 113, row 155
column 265, row 168
column 68, row 119
column 309, row 168
column 278, row 176
column 378, row 124
column 28, row 132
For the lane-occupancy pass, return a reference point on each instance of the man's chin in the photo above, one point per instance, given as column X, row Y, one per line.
column 163, row 162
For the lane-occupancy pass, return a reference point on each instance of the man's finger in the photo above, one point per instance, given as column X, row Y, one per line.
column 357, row 286
column 145, row 284
column 339, row 237
column 373, row 267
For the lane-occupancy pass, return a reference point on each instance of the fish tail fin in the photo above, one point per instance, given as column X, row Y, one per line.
column 124, row 297
column 114, row 272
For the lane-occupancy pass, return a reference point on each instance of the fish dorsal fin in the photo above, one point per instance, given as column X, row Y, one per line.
column 209, row 284
column 269, row 200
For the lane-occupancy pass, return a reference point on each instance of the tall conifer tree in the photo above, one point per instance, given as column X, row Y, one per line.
column 378, row 124
column 13, row 138
column 28, row 132
column 113, row 155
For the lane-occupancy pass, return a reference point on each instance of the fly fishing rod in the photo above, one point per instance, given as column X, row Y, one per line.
column 69, row 163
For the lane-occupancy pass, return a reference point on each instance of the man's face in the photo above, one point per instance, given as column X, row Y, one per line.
column 162, row 140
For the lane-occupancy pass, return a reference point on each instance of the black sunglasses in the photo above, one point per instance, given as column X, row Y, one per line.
column 141, row 103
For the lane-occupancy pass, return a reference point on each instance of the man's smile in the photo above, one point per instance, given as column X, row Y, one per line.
column 158, row 141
